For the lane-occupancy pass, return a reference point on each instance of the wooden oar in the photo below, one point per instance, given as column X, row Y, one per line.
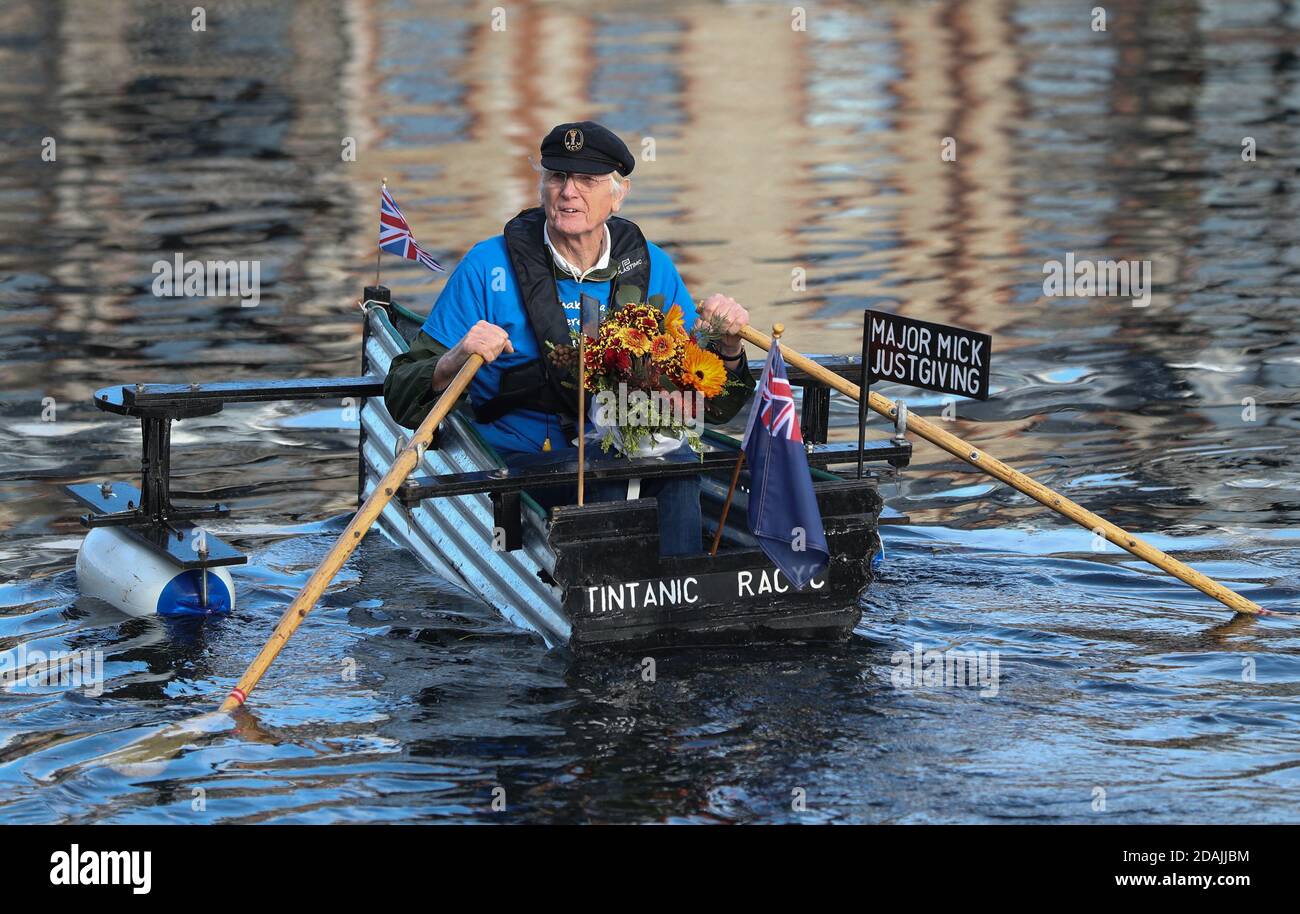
column 347, row 542
column 1040, row 493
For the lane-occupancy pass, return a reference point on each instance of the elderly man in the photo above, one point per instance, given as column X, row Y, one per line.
column 513, row 293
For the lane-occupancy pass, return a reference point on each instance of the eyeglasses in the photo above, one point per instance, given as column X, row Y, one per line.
column 585, row 183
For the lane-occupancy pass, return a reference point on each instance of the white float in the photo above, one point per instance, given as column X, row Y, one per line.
column 140, row 582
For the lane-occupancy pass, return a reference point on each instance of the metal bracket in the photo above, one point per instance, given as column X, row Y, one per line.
column 507, row 517
column 151, row 504
column 815, row 413
column 900, row 422
column 377, row 297
column 565, row 472
column 171, row 533
column 900, row 435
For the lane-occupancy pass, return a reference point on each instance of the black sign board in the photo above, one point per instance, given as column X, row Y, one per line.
column 666, row 594
column 903, row 350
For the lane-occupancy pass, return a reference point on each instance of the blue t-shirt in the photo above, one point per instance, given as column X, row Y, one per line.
column 483, row 287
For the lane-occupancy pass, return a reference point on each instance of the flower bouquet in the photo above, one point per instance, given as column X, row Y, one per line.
column 648, row 378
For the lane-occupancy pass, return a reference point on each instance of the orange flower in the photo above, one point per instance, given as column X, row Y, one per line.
column 675, row 321
column 634, row 341
column 661, row 348
column 703, row 371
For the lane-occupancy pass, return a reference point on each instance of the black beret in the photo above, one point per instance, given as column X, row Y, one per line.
column 587, row 148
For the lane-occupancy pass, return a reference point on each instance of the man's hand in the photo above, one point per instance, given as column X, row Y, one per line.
column 727, row 313
column 487, row 340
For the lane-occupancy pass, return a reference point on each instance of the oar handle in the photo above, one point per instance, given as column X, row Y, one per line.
column 1040, row 493
column 349, row 539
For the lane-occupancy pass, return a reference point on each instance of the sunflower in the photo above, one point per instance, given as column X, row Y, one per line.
column 703, row 371
column 661, row 348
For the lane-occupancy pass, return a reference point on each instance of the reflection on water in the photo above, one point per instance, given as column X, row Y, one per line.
column 777, row 155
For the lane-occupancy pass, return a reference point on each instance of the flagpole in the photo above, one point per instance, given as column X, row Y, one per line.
column 383, row 186
column 582, row 406
column 777, row 330
column 726, row 505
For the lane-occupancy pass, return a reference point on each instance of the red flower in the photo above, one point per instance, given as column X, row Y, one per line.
column 618, row 361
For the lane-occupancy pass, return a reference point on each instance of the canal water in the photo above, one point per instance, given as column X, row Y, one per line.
column 926, row 158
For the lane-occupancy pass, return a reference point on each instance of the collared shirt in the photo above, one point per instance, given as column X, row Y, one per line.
column 601, row 264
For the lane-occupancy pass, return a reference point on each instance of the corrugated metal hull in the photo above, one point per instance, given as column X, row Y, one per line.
column 453, row 536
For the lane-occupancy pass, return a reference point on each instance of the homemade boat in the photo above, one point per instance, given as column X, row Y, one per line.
column 585, row 577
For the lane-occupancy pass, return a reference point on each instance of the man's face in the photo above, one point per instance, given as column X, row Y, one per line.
column 577, row 204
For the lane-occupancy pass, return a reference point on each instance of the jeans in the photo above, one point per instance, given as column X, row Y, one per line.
column 680, row 523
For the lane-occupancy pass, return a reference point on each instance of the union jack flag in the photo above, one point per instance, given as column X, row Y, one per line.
column 395, row 233
column 776, row 408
